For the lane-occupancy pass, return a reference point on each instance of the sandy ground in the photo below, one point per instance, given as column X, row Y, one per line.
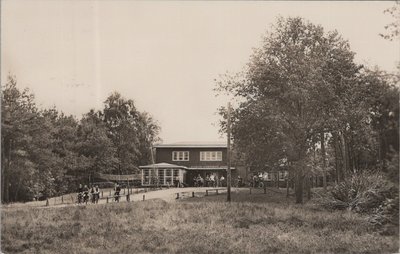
column 168, row 195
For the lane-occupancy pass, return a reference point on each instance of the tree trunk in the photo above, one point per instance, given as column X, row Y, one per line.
column 299, row 186
column 344, row 156
column 287, row 186
column 337, row 151
column 308, row 186
column 323, row 159
column 6, row 178
column 3, row 164
column 277, row 180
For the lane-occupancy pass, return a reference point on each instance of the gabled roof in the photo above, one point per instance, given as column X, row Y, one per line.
column 215, row 144
column 162, row 165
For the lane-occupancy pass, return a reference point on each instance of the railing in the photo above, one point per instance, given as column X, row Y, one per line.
column 183, row 194
column 107, row 195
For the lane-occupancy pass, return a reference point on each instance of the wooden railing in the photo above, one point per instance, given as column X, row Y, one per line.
column 192, row 194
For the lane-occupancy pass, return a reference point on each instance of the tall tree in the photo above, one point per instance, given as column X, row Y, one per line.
column 40, row 147
column 131, row 132
column 95, row 145
column 294, row 75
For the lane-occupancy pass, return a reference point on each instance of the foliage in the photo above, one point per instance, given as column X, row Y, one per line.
column 294, row 88
column 42, row 149
column 132, row 132
column 364, row 191
column 302, row 84
column 393, row 29
column 371, row 193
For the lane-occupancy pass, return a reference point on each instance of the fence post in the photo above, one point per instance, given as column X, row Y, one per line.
column 216, row 191
column 144, row 197
column 107, row 199
column 206, row 192
column 101, row 193
column 127, row 198
column 265, row 188
column 62, row 199
column 192, row 194
column 177, row 195
column 47, row 202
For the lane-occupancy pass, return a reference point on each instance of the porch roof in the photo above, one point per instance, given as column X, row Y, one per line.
column 163, row 165
column 208, row 168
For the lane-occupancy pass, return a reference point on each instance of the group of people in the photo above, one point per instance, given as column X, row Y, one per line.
column 213, row 181
column 84, row 193
column 209, row 181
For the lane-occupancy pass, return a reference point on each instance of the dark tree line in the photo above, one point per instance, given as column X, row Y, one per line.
column 45, row 151
column 304, row 102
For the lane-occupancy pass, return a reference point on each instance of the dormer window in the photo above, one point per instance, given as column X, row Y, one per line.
column 180, row 155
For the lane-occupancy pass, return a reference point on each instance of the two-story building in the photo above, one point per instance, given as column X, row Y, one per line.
column 182, row 162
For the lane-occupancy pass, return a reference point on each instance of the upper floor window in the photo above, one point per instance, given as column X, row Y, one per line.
column 211, row 156
column 180, row 155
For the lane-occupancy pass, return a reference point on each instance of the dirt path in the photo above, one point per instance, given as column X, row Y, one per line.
column 168, row 195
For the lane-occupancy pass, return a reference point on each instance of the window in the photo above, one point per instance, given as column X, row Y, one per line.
column 176, row 174
column 146, row 176
column 180, row 155
column 161, row 179
column 211, row 156
column 168, row 176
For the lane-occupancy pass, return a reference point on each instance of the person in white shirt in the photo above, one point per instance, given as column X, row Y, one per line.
column 222, row 181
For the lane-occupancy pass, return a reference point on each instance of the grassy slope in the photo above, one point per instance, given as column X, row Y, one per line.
column 264, row 223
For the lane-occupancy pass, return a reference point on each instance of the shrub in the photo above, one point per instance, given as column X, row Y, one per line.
column 369, row 193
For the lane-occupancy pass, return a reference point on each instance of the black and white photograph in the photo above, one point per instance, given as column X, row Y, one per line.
column 199, row 127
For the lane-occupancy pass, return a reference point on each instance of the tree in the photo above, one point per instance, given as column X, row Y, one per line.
column 293, row 79
column 18, row 110
column 29, row 165
column 95, row 145
column 131, row 131
column 393, row 29
column 40, row 147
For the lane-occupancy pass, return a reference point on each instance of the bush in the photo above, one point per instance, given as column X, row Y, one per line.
column 369, row 193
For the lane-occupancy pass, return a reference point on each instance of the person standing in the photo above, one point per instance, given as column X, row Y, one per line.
column 85, row 194
column 80, row 193
column 97, row 192
column 117, row 190
column 239, row 181
column 212, row 180
column 222, row 180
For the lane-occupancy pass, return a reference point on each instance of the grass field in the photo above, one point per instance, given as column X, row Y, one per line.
column 254, row 223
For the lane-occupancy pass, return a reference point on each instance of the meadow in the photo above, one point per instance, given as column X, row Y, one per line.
column 256, row 223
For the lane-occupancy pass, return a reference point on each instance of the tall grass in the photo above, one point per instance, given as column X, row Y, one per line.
column 261, row 224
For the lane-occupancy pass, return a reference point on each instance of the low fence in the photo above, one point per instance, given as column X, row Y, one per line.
column 107, row 195
column 192, row 194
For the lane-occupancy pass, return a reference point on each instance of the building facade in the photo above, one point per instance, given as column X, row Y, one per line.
column 182, row 162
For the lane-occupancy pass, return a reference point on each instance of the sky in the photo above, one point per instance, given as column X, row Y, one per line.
column 164, row 55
